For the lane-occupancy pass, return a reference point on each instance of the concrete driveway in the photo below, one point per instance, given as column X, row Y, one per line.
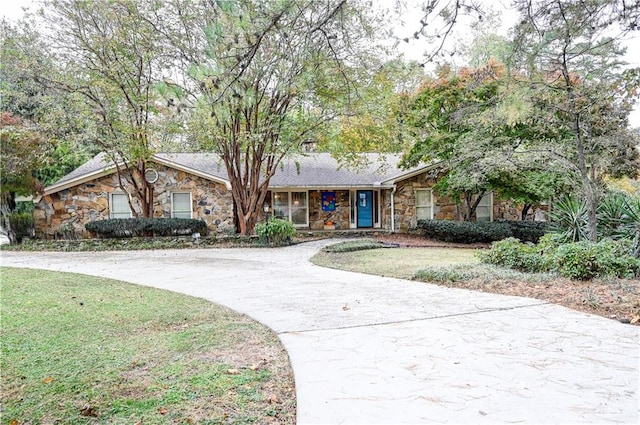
column 375, row 350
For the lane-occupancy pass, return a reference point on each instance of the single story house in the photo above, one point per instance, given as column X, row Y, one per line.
column 310, row 190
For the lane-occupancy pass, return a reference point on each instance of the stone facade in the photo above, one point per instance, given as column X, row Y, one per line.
column 339, row 218
column 67, row 211
column 444, row 208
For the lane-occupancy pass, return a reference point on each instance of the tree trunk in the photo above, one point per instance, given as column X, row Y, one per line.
column 472, row 205
column 525, row 211
column 7, row 206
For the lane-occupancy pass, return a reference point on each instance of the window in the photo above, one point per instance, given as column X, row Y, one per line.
column 292, row 206
column 119, row 207
column 424, row 204
column 484, row 211
column 299, row 208
column 281, row 205
column 181, row 205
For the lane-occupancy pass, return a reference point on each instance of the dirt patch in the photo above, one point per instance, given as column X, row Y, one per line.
column 617, row 299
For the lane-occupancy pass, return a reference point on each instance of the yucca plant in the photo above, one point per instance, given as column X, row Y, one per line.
column 612, row 215
column 630, row 226
column 570, row 220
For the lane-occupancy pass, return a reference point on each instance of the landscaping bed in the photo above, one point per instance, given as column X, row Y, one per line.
column 613, row 298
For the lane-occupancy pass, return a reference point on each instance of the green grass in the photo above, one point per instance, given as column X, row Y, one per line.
column 79, row 350
column 403, row 263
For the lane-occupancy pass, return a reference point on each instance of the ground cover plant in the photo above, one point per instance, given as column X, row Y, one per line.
column 440, row 263
column 85, row 350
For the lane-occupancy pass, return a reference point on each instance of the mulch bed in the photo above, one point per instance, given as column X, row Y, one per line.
column 617, row 299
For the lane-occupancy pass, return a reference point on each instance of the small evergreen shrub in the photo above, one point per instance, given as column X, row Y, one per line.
column 275, row 232
column 528, row 231
column 130, row 227
column 516, row 255
column 464, row 231
column 585, row 260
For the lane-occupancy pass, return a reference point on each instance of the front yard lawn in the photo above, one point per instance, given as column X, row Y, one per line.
column 80, row 349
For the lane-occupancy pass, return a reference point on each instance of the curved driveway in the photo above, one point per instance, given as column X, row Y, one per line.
column 375, row 350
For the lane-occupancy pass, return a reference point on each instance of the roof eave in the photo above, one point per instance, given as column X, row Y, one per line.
column 190, row 170
column 392, row 181
column 57, row 187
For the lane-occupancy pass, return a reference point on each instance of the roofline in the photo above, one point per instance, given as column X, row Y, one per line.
column 57, row 187
column 410, row 174
column 334, row 187
column 111, row 168
column 181, row 167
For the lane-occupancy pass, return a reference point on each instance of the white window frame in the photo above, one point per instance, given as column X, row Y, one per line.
column 181, row 212
column 119, row 214
column 290, row 205
column 429, row 205
column 377, row 205
column 485, row 202
column 353, row 210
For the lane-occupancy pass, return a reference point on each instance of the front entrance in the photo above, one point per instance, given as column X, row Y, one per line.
column 364, row 199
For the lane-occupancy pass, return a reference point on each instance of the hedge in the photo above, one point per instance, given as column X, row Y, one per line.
column 484, row 232
column 129, row 227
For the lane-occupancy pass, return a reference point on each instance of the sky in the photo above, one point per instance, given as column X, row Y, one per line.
column 13, row 9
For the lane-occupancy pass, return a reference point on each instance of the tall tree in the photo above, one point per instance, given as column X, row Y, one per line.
column 21, row 151
column 112, row 59
column 570, row 53
column 439, row 125
column 263, row 77
column 24, row 57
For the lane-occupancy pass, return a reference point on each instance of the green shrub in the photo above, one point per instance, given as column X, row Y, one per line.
column 464, row 231
column 357, row 245
column 577, row 260
column 585, row 260
column 275, row 232
column 130, row 227
column 529, row 231
column 21, row 225
column 516, row 255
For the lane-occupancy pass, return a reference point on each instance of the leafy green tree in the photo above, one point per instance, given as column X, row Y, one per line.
column 374, row 120
column 445, row 122
column 21, row 151
column 50, row 115
column 262, row 77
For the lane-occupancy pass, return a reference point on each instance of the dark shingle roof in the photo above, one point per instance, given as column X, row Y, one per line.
column 97, row 163
column 311, row 170
column 205, row 163
column 322, row 170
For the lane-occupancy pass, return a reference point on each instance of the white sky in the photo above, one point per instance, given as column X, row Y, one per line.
column 13, row 9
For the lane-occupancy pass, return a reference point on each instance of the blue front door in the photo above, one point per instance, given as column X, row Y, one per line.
column 365, row 208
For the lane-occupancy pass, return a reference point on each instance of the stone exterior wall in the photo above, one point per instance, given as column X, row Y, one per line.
column 67, row 211
column 340, row 217
column 444, row 208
